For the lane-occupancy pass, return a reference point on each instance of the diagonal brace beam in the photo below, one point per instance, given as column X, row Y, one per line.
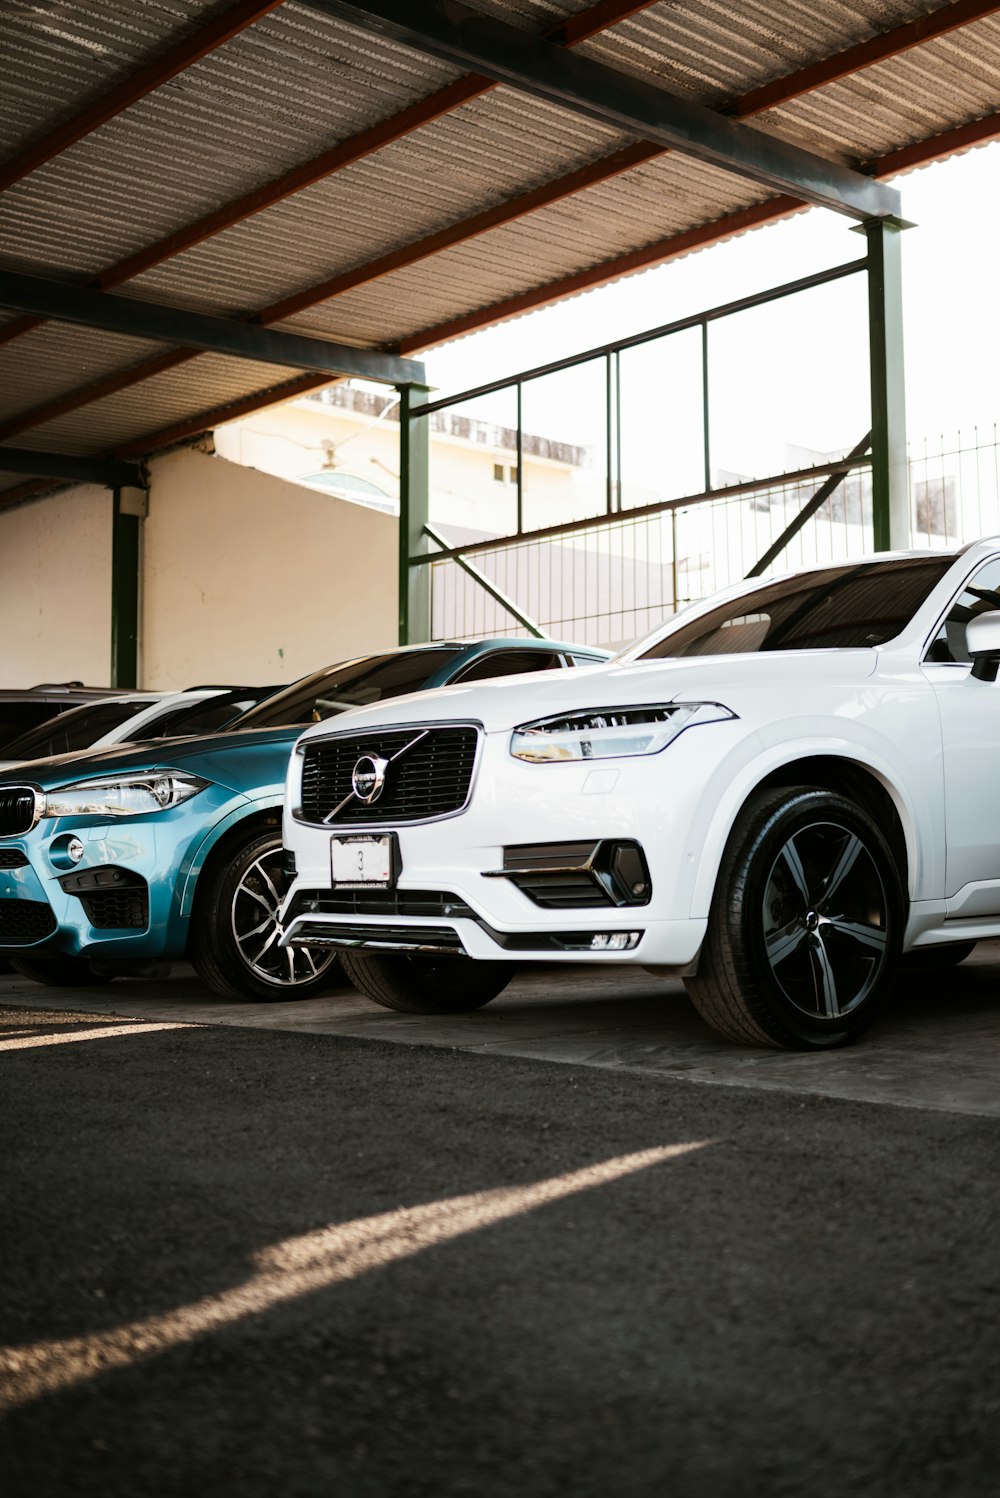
column 808, row 510
column 220, row 335
column 458, row 34
column 486, row 583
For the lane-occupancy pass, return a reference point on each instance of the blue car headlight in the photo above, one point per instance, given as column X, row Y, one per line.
column 122, row 795
column 611, row 732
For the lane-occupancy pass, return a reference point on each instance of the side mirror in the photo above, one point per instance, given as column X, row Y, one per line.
column 982, row 640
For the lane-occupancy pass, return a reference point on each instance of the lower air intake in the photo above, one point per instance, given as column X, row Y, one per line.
column 24, row 922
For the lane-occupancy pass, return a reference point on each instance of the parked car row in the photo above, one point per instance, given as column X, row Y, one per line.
column 778, row 796
column 121, row 858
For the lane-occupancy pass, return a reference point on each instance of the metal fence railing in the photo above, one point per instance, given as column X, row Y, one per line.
column 955, row 488
column 608, row 582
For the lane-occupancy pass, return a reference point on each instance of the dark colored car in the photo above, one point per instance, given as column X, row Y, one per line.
column 26, row 707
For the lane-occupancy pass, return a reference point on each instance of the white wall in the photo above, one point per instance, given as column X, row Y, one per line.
column 55, row 589
column 249, row 578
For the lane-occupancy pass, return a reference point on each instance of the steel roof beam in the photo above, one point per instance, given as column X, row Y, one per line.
column 186, row 52
column 458, row 34
column 218, row 335
column 115, row 474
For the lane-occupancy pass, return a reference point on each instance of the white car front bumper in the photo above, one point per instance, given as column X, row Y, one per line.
column 450, row 892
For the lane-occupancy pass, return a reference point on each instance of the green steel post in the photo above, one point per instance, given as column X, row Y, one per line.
column 706, row 430
column 520, row 457
column 414, row 512
column 890, row 480
column 127, row 514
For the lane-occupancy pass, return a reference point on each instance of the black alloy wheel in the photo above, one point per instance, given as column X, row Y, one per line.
column 236, row 928
column 805, row 926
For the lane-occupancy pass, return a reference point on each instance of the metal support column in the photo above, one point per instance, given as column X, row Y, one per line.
column 414, row 512
column 890, row 480
column 128, row 512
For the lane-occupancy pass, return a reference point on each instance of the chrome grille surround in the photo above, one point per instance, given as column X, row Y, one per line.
column 21, row 806
column 430, row 775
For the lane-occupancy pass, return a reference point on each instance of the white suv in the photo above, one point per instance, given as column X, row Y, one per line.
column 774, row 797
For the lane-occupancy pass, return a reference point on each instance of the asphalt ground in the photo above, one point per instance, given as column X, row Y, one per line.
column 241, row 1261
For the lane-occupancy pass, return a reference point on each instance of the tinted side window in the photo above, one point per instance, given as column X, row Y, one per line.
column 75, row 729
column 980, row 595
column 16, row 717
column 206, row 717
column 510, row 663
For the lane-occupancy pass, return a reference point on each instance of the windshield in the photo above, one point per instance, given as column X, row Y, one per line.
column 76, row 729
column 850, row 607
column 352, row 684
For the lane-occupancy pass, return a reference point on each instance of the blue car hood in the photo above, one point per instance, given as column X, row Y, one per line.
column 244, row 762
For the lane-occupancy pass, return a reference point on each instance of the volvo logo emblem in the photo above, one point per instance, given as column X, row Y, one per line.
column 368, row 777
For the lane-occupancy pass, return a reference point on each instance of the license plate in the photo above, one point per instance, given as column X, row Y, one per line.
column 360, row 860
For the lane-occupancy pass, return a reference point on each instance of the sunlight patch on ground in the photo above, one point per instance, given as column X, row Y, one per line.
column 301, row 1266
column 17, row 1042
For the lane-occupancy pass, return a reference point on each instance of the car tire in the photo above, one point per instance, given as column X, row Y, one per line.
column 425, row 984
column 234, row 928
column 937, row 959
column 56, row 972
column 805, row 924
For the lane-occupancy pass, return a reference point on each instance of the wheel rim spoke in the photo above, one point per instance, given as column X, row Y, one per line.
column 793, row 864
column 785, row 941
column 268, row 944
column 849, row 855
column 824, row 978
column 866, row 936
column 259, row 866
column 245, row 889
column 825, row 929
column 257, row 944
column 257, row 930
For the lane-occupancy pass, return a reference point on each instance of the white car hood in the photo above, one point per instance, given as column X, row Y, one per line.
column 508, row 701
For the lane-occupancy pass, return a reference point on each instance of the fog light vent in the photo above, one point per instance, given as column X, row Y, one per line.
column 571, row 876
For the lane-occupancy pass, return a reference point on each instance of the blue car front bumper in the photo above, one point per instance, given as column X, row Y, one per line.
column 128, row 897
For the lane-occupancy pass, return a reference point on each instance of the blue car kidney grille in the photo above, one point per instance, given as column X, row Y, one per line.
column 431, row 778
column 17, row 810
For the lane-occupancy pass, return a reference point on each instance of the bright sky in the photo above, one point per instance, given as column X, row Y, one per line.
column 794, row 373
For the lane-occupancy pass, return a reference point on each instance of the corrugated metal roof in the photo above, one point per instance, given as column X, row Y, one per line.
column 295, row 83
column 175, row 396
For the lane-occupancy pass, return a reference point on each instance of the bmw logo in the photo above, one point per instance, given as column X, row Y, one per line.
column 368, row 777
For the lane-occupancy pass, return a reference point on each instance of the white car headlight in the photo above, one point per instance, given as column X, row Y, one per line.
column 122, row 795
column 611, row 732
